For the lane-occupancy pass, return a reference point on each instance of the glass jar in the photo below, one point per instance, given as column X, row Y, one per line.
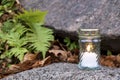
column 89, row 41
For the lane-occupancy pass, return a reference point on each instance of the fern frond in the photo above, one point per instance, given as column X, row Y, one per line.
column 17, row 52
column 40, row 38
column 15, row 37
column 16, row 40
column 32, row 16
column 7, row 26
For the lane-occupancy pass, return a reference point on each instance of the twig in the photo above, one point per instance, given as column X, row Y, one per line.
column 61, row 46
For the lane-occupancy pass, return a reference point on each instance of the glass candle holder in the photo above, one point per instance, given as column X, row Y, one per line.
column 89, row 41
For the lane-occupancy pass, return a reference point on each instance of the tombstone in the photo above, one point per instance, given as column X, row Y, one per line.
column 67, row 16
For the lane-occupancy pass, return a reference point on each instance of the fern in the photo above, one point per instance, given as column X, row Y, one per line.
column 18, row 52
column 69, row 44
column 31, row 16
column 14, row 38
column 32, row 34
column 16, row 41
column 40, row 37
column 7, row 26
column 7, row 3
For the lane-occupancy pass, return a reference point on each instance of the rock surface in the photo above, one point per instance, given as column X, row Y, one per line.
column 67, row 16
column 66, row 71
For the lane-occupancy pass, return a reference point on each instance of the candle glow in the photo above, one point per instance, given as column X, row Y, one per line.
column 89, row 40
column 89, row 59
column 89, row 47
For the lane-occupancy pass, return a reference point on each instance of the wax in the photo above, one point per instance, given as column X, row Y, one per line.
column 89, row 59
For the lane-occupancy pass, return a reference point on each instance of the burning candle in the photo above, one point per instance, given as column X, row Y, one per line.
column 89, row 59
column 89, row 49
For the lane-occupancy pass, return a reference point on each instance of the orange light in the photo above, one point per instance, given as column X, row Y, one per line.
column 89, row 47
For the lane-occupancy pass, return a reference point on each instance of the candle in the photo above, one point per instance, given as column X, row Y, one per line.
column 89, row 49
column 89, row 59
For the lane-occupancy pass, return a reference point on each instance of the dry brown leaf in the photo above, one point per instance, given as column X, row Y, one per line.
column 27, row 64
column 14, row 67
column 111, row 57
column 118, row 58
column 108, row 63
column 101, row 60
column 57, row 52
column 29, row 56
column 62, row 55
column 55, row 47
column 45, row 61
column 73, row 59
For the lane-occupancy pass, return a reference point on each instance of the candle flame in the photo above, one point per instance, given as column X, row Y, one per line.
column 89, row 47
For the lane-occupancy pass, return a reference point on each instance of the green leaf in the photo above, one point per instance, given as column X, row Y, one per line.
column 1, row 13
column 69, row 44
column 2, row 56
column 16, row 39
column 8, row 3
column 40, row 38
column 17, row 52
column 72, row 46
column 109, row 53
column 7, row 26
column 26, row 30
column 67, row 41
column 32, row 16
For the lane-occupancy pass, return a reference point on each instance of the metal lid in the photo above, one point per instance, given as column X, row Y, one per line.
column 89, row 32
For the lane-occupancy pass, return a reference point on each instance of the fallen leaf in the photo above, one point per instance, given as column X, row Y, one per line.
column 27, row 65
column 108, row 63
column 62, row 55
column 29, row 56
column 118, row 58
column 14, row 67
column 45, row 61
column 73, row 59
column 111, row 57
column 102, row 60
column 55, row 47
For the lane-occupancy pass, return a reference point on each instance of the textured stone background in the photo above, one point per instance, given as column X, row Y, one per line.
column 67, row 16
column 66, row 71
